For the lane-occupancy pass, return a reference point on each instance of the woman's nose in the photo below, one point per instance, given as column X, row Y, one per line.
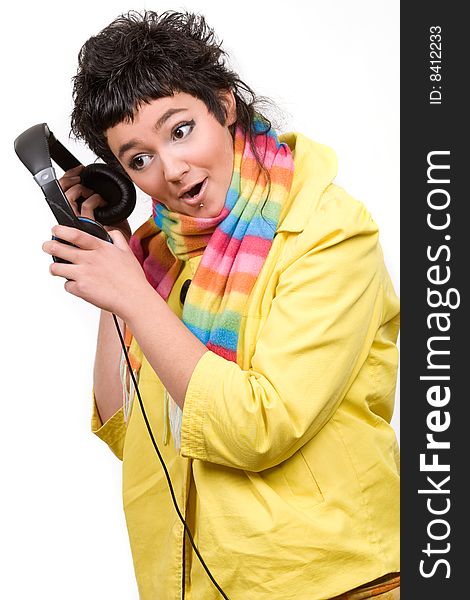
column 174, row 168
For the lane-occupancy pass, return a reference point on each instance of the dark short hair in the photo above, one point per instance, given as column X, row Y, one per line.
column 141, row 57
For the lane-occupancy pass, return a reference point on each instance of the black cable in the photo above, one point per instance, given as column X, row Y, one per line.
column 167, row 475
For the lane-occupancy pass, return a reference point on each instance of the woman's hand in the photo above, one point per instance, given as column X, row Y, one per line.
column 70, row 183
column 104, row 274
column 74, row 191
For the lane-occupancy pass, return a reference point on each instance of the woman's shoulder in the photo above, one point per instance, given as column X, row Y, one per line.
column 316, row 203
column 315, row 167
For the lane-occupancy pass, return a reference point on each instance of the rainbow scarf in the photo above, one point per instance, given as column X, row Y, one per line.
column 234, row 245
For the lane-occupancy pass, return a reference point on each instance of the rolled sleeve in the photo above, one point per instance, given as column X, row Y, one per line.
column 112, row 432
column 321, row 324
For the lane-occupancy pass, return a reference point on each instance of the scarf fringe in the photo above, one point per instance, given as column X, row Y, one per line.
column 128, row 386
column 172, row 421
column 172, row 413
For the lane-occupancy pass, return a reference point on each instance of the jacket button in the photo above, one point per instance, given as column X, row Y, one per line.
column 184, row 290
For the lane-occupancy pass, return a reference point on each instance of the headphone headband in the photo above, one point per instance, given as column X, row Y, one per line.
column 33, row 148
column 36, row 147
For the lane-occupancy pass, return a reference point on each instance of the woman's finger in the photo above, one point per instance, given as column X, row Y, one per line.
column 119, row 238
column 79, row 238
column 88, row 206
column 75, row 171
column 65, row 270
column 83, row 200
column 78, row 191
column 67, row 182
column 60, row 250
column 71, row 177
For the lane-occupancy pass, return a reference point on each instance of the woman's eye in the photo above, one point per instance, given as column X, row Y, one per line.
column 140, row 162
column 183, row 130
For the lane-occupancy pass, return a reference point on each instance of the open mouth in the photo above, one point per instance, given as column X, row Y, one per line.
column 194, row 191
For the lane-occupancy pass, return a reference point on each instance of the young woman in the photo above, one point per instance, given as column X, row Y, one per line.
column 261, row 324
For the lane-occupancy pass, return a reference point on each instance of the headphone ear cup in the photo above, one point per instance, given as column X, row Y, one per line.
column 116, row 189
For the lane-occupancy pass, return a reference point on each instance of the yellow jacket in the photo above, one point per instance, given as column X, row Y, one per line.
column 288, row 472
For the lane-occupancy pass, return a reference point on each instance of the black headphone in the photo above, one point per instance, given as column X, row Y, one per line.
column 36, row 147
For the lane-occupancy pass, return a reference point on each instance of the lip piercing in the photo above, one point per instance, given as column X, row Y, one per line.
column 201, row 205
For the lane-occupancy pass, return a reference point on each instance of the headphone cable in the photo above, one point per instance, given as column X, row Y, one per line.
column 165, row 469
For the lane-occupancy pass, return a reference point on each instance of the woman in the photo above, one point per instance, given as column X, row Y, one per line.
column 261, row 325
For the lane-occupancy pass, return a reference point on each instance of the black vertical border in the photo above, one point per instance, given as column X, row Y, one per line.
column 425, row 128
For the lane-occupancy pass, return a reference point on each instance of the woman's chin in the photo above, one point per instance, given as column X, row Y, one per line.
column 206, row 211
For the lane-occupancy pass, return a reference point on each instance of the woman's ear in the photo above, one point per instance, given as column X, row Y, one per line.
column 230, row 104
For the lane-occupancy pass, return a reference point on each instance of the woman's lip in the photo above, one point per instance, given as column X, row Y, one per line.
column 197, row 199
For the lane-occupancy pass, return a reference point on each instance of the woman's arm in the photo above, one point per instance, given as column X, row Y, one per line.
column 106, row 377
column 107, row 384
column 110, row 277
column 171, row 349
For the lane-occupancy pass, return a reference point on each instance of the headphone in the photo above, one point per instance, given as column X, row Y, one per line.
column 35, row 148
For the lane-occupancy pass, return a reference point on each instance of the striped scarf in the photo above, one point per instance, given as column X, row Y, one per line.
column 234, row 245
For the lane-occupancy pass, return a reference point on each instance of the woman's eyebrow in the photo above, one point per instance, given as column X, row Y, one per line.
column 127, row 146
column 158, row 125
column 166, row 115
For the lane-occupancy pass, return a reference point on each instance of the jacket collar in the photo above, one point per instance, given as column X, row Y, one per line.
column 315, row 167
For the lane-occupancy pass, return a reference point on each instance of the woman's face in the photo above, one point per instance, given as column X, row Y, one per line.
column 178, row 153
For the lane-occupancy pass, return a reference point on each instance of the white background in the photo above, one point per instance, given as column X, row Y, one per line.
column 332, row 68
